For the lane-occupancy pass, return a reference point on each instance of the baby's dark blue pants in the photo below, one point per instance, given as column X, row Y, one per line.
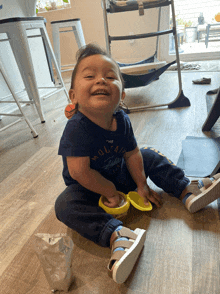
column 78, row 207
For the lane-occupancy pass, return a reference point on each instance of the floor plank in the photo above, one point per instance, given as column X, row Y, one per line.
column 27, row 196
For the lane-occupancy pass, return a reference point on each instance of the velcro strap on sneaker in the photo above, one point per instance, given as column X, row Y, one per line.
column 122, row 243
column 207, row 182
column 124, row 232
column 217, row 176
column 193, row 188
column 117, row 255
column 114, row 236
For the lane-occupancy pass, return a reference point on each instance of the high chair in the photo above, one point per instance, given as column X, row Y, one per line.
column 16, row 31
column 150, row 68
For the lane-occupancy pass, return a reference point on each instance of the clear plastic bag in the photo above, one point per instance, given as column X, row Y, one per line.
column 55, row 254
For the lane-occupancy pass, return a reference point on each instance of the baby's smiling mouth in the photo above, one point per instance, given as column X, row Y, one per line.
column 101, row 92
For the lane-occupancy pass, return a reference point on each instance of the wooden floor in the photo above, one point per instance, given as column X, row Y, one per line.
column 182, row 251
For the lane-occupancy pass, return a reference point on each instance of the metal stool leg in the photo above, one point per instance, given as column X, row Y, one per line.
column 50, row 49
column 10, row 86
column 56, row 44
column 78, row 32
column 18, row 39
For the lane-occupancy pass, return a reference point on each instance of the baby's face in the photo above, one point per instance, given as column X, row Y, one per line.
column 97, row 85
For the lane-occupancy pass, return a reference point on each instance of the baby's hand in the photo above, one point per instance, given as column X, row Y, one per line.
column 149, row 194
column 113, row 201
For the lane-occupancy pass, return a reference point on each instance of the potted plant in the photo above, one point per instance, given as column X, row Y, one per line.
column 188, row 24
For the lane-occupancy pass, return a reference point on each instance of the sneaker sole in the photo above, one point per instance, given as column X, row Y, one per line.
column 209, row 195
column 125, row 265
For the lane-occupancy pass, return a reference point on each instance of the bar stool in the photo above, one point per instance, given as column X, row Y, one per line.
column 78, row 32
column 16, row 31
column 16, row 100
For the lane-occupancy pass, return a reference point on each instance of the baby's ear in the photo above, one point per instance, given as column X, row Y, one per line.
column 72, row 96
column 123, row 95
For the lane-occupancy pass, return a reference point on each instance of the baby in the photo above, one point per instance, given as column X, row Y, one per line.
column 101, row 157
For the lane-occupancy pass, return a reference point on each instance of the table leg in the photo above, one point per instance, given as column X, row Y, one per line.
column 213, row 114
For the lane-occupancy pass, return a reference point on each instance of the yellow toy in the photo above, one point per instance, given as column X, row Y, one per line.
column 132, row 197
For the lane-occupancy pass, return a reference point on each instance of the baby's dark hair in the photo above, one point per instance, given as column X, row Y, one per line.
column 89, row 50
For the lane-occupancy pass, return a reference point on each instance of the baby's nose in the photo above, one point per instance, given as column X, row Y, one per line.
column 101, row 80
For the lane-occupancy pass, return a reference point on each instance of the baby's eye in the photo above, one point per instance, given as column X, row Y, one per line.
column 89, row 76
column 111, row 78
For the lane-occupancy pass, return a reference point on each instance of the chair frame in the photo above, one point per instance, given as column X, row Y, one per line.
column 181, row 100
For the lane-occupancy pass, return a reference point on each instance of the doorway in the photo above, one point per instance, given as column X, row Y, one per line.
column 195, row 20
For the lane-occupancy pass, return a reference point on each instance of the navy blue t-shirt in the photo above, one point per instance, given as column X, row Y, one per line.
column 82, row 137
